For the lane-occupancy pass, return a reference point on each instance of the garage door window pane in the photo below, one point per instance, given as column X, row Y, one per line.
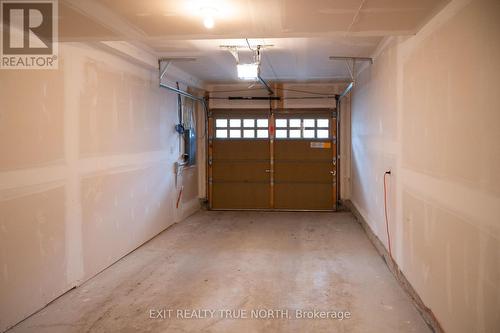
column 280, row 122
column 235, row 133
column 262, row 123
column 322, row 134
column 322, row 122
column 221, row 122
column 281, row 134
column 294, row 134
column 308, row 122
column 309, row 134
column 249, row 123
column 249, row 134
column 234, row 122
column 221, row 134
column 294, row 122
column 261, row 134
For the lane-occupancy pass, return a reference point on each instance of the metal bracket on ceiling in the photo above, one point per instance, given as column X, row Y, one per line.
column 245, row 47
column 234, row 49
column 164, row 63
column 351, row 70
column 163, row 66
column 234, row 52
column 350, row 63
column 352, row 58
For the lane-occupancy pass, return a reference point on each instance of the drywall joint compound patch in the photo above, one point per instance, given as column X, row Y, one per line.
column 29, row 34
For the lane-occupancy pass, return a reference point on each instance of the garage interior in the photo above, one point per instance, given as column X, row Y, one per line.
column 285, row 156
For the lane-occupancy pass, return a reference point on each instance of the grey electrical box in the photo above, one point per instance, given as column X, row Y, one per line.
column 190, row 146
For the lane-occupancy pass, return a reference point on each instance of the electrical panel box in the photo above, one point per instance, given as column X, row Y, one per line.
column 190, row 146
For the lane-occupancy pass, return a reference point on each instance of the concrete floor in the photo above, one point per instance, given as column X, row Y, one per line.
column 241, row 260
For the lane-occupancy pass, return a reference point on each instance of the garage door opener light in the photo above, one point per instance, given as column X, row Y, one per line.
column 248, row 71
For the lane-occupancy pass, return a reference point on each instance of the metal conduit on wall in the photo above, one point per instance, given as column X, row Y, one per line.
column 205, row 107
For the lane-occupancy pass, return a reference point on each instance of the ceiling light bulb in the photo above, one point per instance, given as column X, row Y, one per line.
column 208, row 14
column 208, row 22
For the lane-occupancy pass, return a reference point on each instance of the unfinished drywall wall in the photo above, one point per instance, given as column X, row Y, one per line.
column 428, row 110
column 86, row 174
column 314, row 94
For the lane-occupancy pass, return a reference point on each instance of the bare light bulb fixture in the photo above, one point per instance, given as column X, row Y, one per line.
column 208, row 14
column 208, row 22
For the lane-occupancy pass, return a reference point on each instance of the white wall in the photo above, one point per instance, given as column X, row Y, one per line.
column 429, row 110
column 86, row 172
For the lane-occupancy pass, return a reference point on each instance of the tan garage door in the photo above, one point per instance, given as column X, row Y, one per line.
column 280, row 159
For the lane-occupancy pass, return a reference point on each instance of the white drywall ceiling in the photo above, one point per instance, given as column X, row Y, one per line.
column 304, row 32
column 289, row 59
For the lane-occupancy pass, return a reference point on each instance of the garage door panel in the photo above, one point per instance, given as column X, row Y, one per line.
column 303, row 171
column 241, row 196
column 241, row 171
column 241, row 149
column 308, row 196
